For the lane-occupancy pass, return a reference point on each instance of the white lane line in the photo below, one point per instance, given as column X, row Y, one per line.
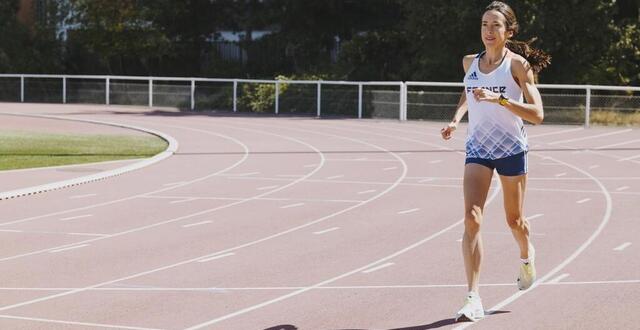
column 435, row 161
column 69, row 248
column 623, row 188
column 76, row 217
column 362, row 158
column 310, row 200
column 426, row 180
column 591, row 136
column 617, row 144
column 622, row 246
column 629, row 158
column 216, row 257
column 85, row 324
column 560, row 174
column 269, row 199
column 267, row 187
column 459, row 240
column 583, row 200
column 50, row 232
column 335, row 177
column 390, row 168
column 183, row 200
column 508, row 233
column 82, row 196
column 245, row 174
column 196, row 224
column 596, row 282
column 86, row 234
column 557, row 132
column 535, row 216
column 310, row 165
column 558, row 278
column 409, row 211
column 593, row 166
column 326, row 231
column 388, row 264
column 289, row 175
column 291, row 205
column 366, row 191
column 173, row 183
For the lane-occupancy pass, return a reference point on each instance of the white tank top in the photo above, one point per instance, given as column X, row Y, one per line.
column 494, row 132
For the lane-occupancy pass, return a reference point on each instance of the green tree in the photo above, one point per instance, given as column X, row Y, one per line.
column 120, row 34
column 29, row 50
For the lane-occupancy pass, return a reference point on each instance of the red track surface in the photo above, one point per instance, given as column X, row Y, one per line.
column 289, row 223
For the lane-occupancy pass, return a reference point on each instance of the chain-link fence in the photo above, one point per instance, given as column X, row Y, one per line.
column 615, row 107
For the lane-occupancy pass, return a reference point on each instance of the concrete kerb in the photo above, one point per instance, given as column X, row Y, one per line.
column 171, row 149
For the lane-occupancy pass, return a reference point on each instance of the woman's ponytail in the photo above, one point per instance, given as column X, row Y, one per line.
column 537, row 58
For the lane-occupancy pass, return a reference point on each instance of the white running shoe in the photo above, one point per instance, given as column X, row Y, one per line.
column 472, row 309
column 527, row 271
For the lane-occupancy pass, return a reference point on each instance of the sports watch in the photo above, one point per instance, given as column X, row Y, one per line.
column 502, row 100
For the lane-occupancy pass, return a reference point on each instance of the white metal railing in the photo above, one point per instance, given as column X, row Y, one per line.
column 586, row 88
column 402, row 88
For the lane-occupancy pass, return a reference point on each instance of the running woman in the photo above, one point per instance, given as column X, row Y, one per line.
column 495, row 81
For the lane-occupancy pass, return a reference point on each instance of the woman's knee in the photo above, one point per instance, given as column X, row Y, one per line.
column 473, row 220
column 516, row 221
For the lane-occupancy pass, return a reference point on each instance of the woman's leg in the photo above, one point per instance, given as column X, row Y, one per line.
column 514, row 189
column 477, row 180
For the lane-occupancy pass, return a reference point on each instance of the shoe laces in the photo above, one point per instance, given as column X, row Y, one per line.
column 528, row 269
column 470, row 300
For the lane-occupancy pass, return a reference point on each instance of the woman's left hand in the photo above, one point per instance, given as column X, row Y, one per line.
column 485, row 95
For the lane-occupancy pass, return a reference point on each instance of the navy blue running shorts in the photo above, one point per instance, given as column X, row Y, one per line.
column 509, row 166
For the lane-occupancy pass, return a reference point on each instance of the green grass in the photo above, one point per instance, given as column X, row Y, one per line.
column 20, row 149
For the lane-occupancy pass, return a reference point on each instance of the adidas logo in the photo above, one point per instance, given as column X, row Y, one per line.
column 473, row 76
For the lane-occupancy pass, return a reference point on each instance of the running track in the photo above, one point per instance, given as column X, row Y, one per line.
column 299, row 223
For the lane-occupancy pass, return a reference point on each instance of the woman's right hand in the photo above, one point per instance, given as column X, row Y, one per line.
column 447, row 131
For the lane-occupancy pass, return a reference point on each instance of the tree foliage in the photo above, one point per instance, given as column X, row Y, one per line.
column 591, row 41
column 29, row 50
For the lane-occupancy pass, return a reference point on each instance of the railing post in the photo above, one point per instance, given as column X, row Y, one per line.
column 64, row 90
column 21, row 88
column 400, row 102
column 150, row 93
column 360, row 101
column 587, row 108
column 193, row 94
column 235, row 95
column 277, row 95
column 318, row 98
column 405, row 97
column 107, row 90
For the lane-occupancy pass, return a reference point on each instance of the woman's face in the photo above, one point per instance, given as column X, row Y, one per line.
column 494, row 29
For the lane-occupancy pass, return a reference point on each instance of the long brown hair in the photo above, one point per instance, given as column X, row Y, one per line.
column 536, row 57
